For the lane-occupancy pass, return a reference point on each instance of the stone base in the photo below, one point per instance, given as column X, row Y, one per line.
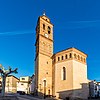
column 8, row 98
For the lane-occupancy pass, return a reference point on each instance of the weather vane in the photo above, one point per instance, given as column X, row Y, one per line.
column 44, row 13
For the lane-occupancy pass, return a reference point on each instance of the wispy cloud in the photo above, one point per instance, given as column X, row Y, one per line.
column 17, row 32
column 88, row 21
column 83, row 24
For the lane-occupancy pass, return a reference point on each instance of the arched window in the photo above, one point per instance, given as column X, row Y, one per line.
column 49, row 29
column 62, row 57
column 78, row 57
column 75, row 56
column 44, row 83
column 64, row 74
column 49, row 92
column 70, row 55
column 81, row 59
column 58, row 58
column 44, row 26
column 66, row 56
column 84, row 60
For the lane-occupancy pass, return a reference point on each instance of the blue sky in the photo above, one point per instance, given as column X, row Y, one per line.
column 76, row 24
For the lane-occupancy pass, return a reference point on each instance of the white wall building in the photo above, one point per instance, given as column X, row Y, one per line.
column 23, row 84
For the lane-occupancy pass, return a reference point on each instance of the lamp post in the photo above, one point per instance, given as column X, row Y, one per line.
column 4, row 74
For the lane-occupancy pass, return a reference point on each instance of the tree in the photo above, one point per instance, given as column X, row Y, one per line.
column 4, row 74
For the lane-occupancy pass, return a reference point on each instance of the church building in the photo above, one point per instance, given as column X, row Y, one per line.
column 60, row 75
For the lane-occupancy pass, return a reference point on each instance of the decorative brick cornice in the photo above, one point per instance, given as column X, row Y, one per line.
column 69, row 54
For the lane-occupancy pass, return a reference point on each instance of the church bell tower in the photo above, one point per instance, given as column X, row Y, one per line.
column 43, row 58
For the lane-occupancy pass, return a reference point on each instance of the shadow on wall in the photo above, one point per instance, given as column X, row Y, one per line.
column 82, row 93
column 74, row 94
column 42, row 95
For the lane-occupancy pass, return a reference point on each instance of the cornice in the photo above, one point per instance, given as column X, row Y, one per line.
column 70, row 50
column 69, row 59
column 46, row 20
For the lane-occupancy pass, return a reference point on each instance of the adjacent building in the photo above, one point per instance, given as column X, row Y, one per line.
column 23, row 84
column 94, row 89
column 11, row 85
column 63, row 74
column 32, row 84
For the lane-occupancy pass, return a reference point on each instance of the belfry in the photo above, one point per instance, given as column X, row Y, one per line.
column 44, row 53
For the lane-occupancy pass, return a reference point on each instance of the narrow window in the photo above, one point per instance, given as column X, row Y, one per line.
column 44, row 26
column 58, row 58
column 49, row 30
column 23, row 78
column 49, row 92
column 0, row 83
column 64, row 73
column 70, row 55
column 44, row 83
column 66, row 56
column 84, row 60
column 62, row 57
column 81, row 59
column 75, row 56
column 44, row 87
column 78, row 57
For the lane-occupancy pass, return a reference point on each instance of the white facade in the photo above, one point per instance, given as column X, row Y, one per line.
column 23, row 84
